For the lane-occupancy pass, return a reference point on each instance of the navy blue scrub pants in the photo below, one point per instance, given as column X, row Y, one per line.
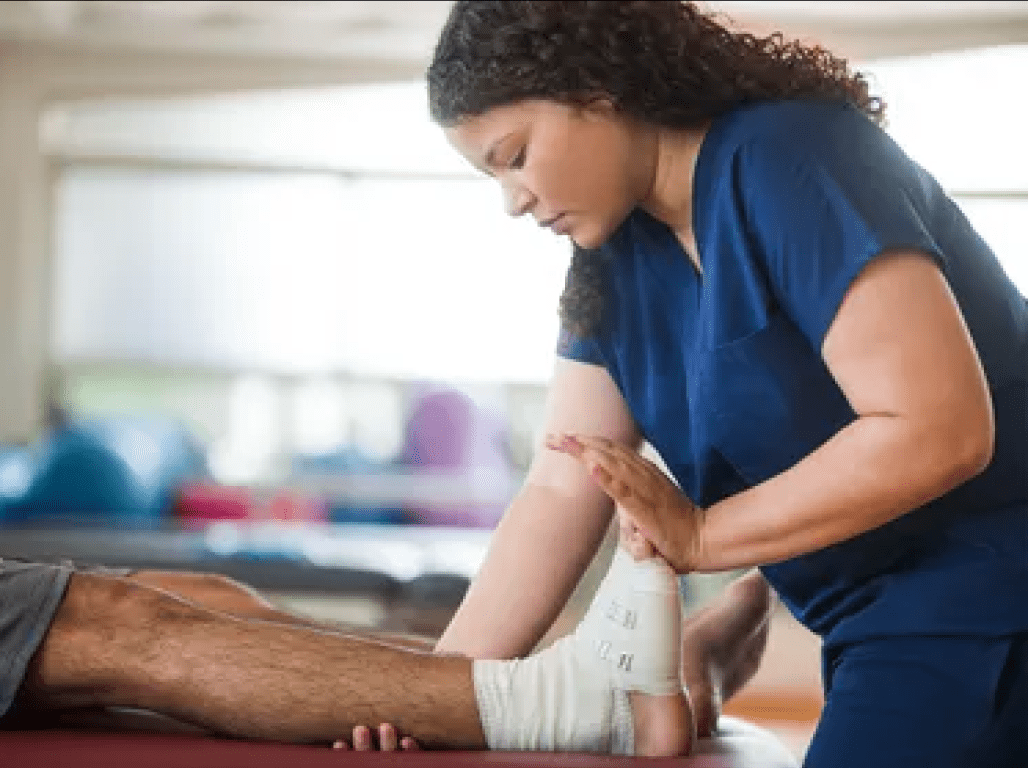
column 924, row 702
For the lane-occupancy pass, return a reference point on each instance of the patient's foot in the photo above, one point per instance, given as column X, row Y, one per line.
column 638, row 608
column 722, row 646
column 613, row 685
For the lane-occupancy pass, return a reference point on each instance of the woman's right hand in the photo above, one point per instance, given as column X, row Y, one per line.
column 388, row 740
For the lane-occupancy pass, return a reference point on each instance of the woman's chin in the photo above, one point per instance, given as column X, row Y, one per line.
column 590, row 238
column 583, row 240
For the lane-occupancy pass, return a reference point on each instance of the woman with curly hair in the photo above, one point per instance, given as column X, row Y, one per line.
column 830, row 361
column 792, row 313
column 213, row 654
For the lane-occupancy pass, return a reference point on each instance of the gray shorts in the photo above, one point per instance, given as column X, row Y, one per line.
column 30, row 593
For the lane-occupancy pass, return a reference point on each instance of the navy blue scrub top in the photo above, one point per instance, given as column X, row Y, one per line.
column 724, row 376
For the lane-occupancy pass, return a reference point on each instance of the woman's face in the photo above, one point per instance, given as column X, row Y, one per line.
column 578, row 170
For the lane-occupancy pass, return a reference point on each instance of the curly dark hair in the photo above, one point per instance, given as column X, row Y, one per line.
column 664, row 62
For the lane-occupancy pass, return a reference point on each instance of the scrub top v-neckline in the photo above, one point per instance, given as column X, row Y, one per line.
column 694, row 275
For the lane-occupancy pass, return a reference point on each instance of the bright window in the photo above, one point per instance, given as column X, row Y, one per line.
column 374, row 271
column 960, row 116
column 326, row 231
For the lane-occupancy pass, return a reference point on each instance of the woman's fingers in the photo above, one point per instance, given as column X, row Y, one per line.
column 617, row 459
column 659, row 512
column 633, row 540
column 630, row 489
column 642, row 523
column 582, row 448
column 565, row 444
column 611, row 478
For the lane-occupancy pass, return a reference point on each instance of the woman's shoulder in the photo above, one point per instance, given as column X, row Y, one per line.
column 791, row 125
column 775, row 116
column 760, row 143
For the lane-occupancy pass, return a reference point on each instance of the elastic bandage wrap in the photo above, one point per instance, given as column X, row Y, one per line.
column 573, row 696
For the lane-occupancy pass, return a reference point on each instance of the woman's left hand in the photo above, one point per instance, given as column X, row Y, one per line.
column 654, row 506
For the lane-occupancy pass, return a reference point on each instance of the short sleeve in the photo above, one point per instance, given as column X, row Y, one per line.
column 580, row 349
column 822, row 202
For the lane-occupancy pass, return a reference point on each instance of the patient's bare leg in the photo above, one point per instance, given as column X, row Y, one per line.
column 722, row 644
column 662, row 724
column 227, row 595
column 117, row 643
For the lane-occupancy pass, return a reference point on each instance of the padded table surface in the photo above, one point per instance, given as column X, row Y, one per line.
column 741, row 746
column 329, row 558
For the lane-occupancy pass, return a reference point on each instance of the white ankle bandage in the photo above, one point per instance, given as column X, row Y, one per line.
column 574, row 695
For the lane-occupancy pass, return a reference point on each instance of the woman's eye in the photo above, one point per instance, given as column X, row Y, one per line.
column 519, row 159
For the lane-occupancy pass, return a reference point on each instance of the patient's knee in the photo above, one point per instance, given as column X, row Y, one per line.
column 211, row 590
column 105, row 604
column 105, row 641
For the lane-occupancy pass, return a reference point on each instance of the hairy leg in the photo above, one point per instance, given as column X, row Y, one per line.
column 224, row 594
column 118, row 643
column 722, row 646
column 663, row 724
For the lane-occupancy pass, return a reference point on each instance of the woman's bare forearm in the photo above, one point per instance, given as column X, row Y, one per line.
column 538, row 553
column 871, row 472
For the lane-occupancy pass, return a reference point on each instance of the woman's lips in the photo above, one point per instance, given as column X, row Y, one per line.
column 559, row 224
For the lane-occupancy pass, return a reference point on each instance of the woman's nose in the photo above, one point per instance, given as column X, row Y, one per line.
column 517, row 200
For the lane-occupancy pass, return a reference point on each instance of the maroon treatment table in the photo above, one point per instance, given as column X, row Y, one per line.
column 138, row 745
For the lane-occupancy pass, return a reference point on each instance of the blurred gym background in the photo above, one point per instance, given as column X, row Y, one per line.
column 256, row 317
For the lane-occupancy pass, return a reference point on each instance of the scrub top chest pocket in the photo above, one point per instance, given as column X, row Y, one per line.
column 765, row 400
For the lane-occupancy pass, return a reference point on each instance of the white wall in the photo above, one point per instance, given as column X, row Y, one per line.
column 31, row 77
